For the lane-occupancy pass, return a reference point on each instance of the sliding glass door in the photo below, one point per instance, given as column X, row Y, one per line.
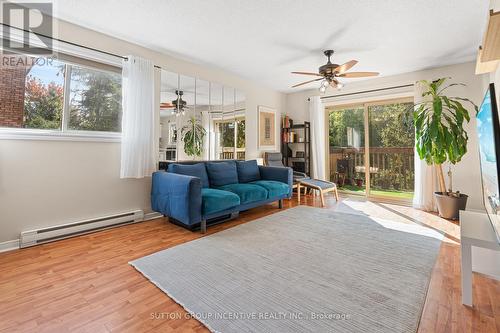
column 347, row 148
column 372, row 149
column 392, row 141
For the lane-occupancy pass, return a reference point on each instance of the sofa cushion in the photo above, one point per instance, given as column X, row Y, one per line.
column 247, row 192
column 248, row 171
column 195, row 170
column 274, row 188
column 222, row 173
column 213, row 200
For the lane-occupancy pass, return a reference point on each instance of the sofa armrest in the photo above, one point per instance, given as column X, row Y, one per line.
column 280, row 174
column 177, row 196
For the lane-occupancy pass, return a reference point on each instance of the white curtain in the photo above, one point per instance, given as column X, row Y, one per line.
column 425, row 185
column 318, row 147
column 425, row 175
column 138, row 153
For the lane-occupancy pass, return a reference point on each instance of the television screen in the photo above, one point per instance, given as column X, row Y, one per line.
column 488, row 130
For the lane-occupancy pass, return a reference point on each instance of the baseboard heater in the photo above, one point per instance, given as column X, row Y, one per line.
column 45, row 235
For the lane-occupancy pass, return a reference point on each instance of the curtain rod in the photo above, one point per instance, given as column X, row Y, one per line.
column 366, row 91
column 71, row 43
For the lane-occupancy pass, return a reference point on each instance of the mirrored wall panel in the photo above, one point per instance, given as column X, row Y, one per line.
column 168, row 120
column 200, row 120
column 202, row 107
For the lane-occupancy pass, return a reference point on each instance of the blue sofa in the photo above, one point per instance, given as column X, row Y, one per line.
column 192, row 194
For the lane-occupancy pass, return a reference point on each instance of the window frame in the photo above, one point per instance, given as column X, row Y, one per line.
column 64, row 133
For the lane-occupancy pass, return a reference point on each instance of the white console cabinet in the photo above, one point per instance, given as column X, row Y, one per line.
column 476, row 231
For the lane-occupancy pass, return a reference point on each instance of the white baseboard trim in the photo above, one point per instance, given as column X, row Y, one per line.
column 9, row 245
column 152, row 216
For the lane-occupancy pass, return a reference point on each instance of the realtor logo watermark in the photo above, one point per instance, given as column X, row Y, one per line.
column 28, row 28
column 251, row 316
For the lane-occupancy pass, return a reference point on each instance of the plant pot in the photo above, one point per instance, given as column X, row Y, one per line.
column 449, row 206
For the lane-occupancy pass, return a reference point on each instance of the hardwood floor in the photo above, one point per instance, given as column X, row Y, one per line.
column 85, row 284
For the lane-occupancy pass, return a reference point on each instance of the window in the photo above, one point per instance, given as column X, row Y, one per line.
column 95, row 100
column 240, row 135
column 43, row 96
column 69, row 96
column 226, row 130
column 231, row 135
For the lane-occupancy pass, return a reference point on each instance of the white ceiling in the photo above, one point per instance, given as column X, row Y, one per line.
column 264, row 40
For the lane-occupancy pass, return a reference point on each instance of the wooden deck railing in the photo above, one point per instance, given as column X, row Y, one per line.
column 390, row 167
column 229, row 155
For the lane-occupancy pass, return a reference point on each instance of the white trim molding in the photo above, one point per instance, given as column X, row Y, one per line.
column 57, row 135
column 152, row 216
column 9, row 245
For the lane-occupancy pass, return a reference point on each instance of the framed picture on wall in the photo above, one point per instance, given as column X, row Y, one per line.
column 267, row 128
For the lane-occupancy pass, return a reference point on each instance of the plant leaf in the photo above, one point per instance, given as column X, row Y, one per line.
column 439, row 132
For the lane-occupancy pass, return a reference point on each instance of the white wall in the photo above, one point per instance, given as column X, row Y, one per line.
column 466, row 173
column 495, row 76
column 45, row 183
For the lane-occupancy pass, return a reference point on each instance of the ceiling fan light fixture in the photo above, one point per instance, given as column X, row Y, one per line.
column 324, row 84
column 329, row 72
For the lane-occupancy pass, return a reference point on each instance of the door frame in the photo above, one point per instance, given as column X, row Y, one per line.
column 365, row 103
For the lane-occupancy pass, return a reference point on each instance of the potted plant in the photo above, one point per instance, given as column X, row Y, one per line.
column 193, row 136
column 440, row 137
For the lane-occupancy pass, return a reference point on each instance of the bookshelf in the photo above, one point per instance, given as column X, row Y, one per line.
column 296, row 145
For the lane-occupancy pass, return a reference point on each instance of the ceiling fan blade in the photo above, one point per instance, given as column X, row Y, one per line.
column 300, row 84
column 307, row 73
column 345, row 67
column 359, row 74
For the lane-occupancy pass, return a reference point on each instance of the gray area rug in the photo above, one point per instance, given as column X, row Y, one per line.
column 301, row 270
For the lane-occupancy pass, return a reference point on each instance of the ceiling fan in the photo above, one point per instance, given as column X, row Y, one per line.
column 178, row 105
column 329, row 73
